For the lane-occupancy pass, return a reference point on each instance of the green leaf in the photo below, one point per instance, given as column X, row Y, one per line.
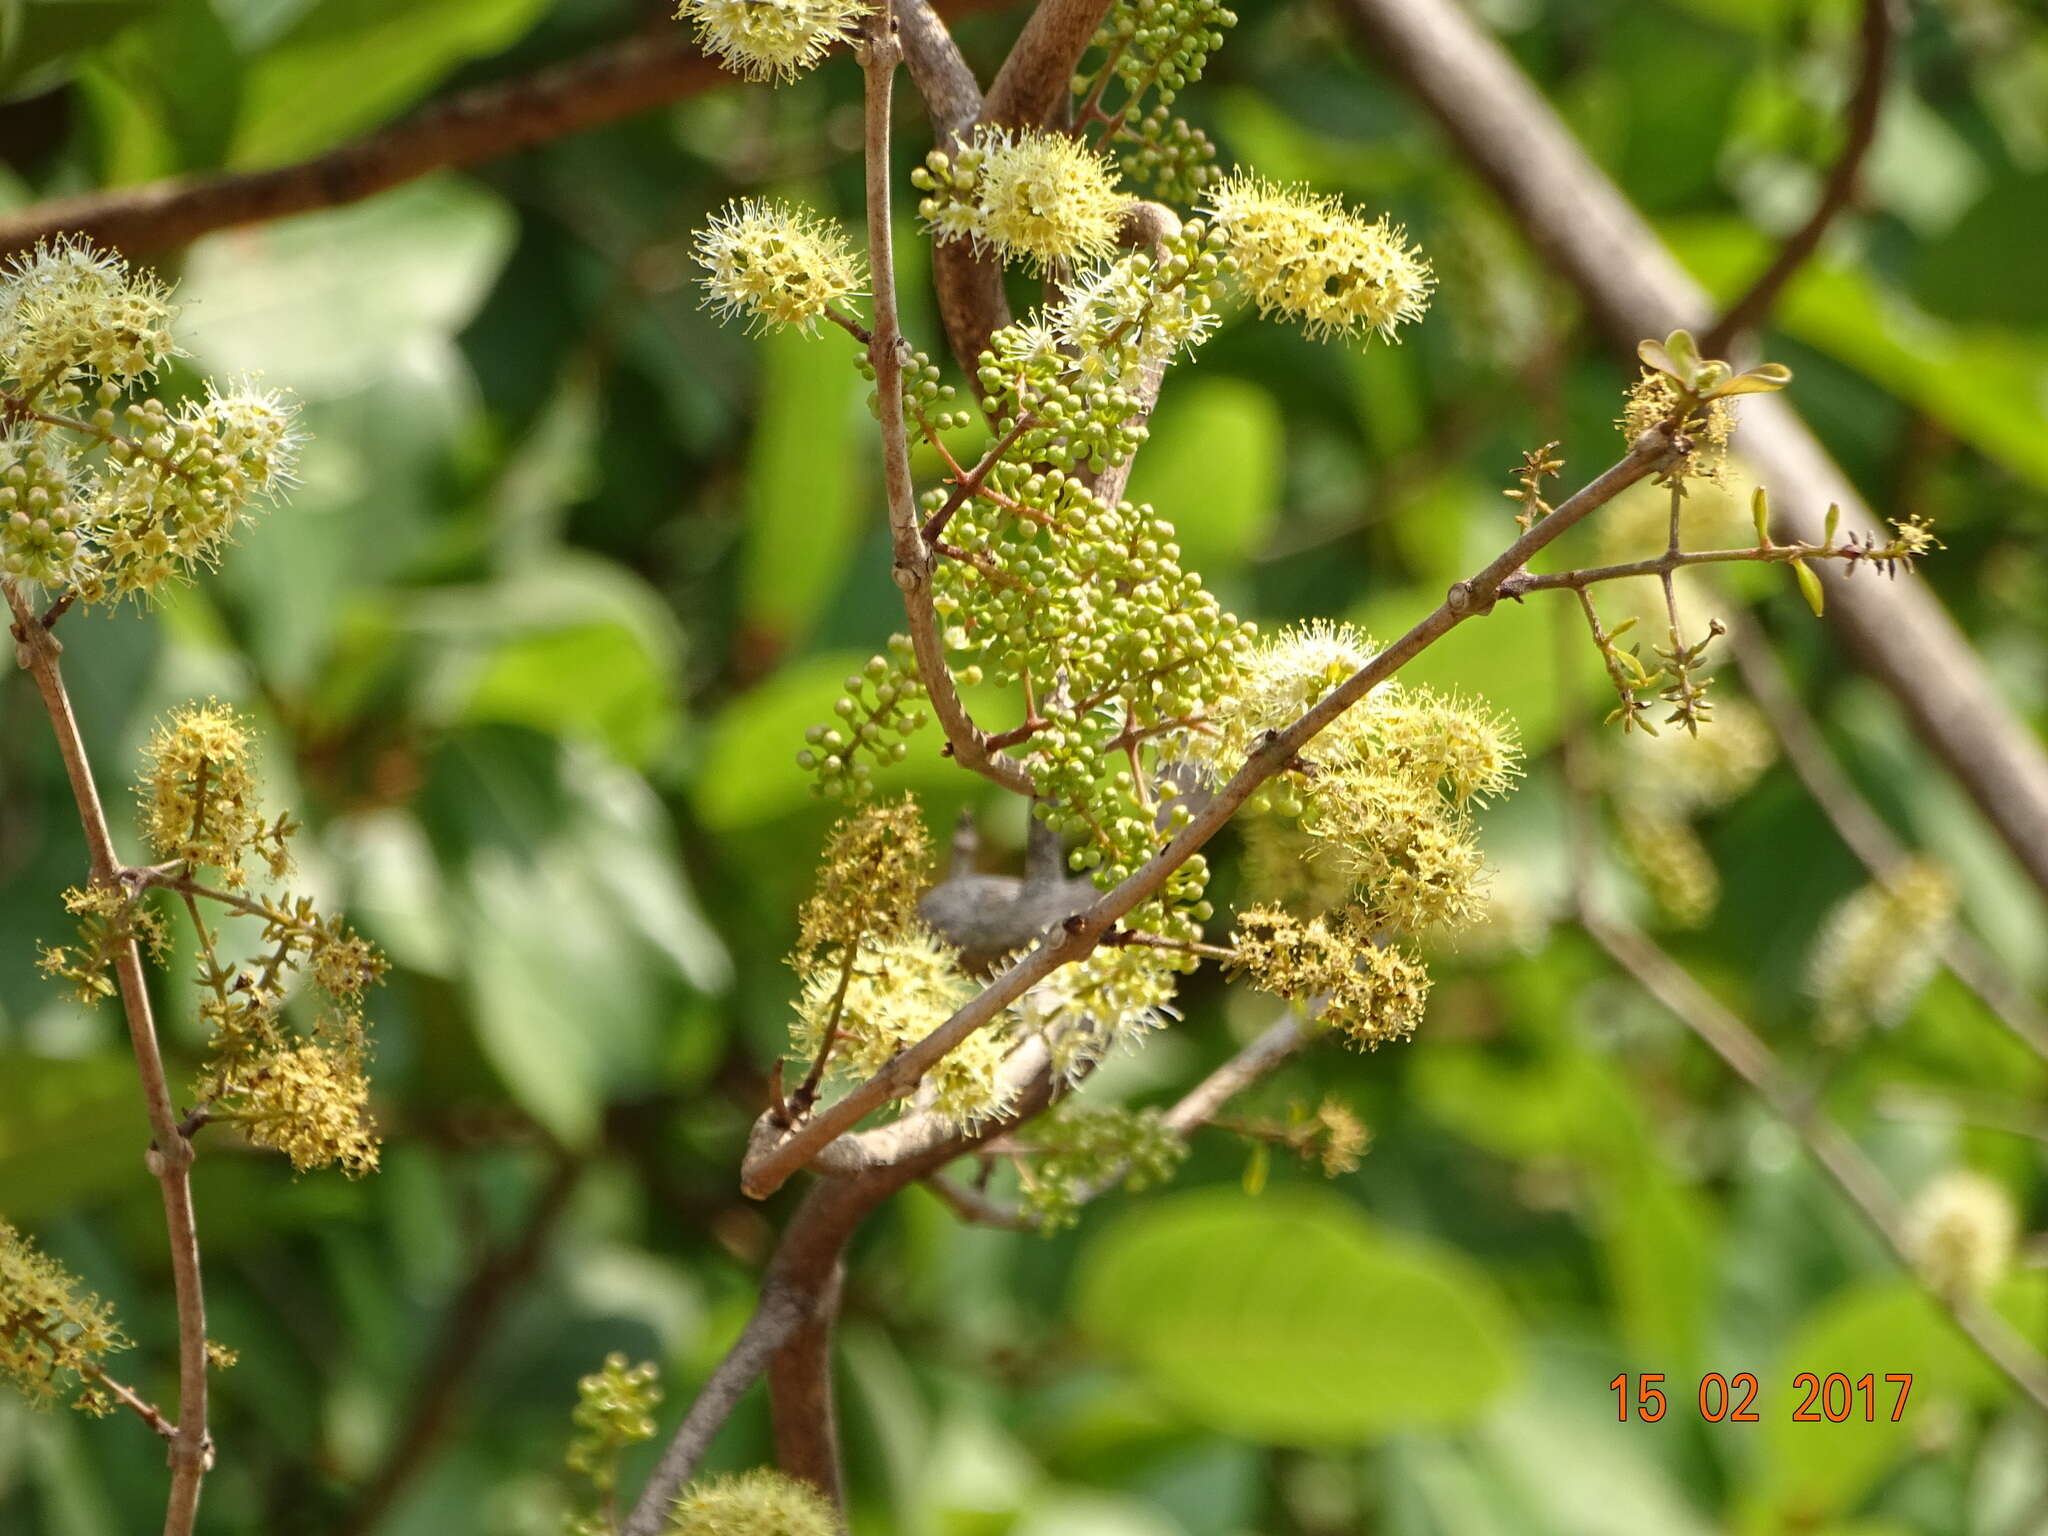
column 165, row 94
column 1986, row 268
column 1809, row 587
column 69, row 1132
column 1213, row 467
column 806, row 473
column 41, row 40
column 1293, row 1319
column 1815, row 1470
column 595, row 680
column 575, row 647
column 1760, row 513
column 390, row 53
column 338, row 300
column 573, row 923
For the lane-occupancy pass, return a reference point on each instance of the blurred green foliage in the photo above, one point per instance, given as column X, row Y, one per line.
column 572, row 569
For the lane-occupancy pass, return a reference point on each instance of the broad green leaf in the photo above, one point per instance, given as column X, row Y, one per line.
column 1294, row 1319
column 1987, row 269
column 346, row 65
column 807, row 468
column 338, row 300
column 1657, row 1241
column 1812, row 1471
column 594, row 680
column 574, row 927
column 1213, row 467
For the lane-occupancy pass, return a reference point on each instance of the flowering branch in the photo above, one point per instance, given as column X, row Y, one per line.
column 170, row 1153
column 774, row 1157
column 880, row 53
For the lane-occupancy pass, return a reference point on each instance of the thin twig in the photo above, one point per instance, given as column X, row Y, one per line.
column 880, row 54
column 1857, row 822
column 170, row 1154
column 1662, row 565
column 1746, row 1054
column 470, row 1324
column 1873, row 61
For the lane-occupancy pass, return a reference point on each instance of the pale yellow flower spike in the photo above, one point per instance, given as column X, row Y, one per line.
column 1312, row 260
column 756, row 1503
column 775, row 265
column 773, row 40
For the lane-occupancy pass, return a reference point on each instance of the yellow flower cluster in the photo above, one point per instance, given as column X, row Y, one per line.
column 1311, row 259
column 67, row 310
column 1026, row 194
column 303, row 1093
column 109, row 917
column 1331, row 1133
column 773, row 40
column 1657, row 399
column 1962, row 1229
column 1386, row 806
column 1107, row 1000
column 890, row 992
column 1880, row 947
column 310, row 1102
column 49, row 1328
column 876, row 866
column 93, row 505
column 756, row 1503
column 199, row 795
column 872, row 978
column 1372, row 994
column 775, row 264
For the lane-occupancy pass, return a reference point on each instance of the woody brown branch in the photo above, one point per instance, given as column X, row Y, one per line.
column 615, row 81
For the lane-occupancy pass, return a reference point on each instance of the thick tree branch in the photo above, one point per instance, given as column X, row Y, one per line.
column 170, row 1153
column 1634, row 288
column 801, row 1282
column 612, row 82
column 1032, row 86
column 1873, row 63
